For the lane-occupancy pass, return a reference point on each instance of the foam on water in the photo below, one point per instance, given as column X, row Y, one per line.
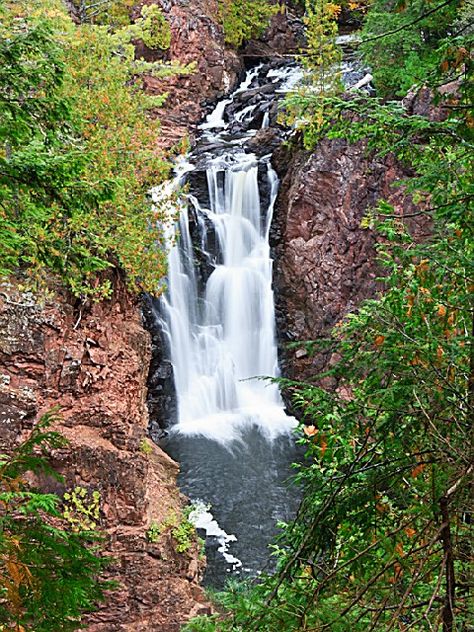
column 202, row 518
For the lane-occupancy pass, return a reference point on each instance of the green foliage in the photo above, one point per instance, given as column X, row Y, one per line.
column 307, row 107
column 321, row 54
column 184, row 534
column 155, row 30
column 406, row 55
column 48, row 572
column 153, row 532
column 78, row 153
column 115, row 13
column 145, row 446
column 245, row 19
column 82, row 509
column 182, row 531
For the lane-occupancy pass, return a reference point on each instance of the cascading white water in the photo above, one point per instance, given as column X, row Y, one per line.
column 232, row 437
column 221, row 341
column 222, row 338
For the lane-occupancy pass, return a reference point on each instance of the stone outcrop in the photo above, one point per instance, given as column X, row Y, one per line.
column 196, row 36
column 325, row 261
column 94, row 365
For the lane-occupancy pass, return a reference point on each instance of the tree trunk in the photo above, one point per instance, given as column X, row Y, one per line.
column 445, row 536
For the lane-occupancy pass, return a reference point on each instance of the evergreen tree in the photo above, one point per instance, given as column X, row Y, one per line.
column 49, row 572
column 78, row 150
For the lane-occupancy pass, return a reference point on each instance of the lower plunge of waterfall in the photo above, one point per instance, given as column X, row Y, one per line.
column 232, row 438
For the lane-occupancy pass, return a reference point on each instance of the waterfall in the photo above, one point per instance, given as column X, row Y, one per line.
column 221, row 334
column 232, row 437
column 223, row 338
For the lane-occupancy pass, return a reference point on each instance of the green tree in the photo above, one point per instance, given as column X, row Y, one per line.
column 78, row 152
column 307, row 107
column 400, row 41
column 112, row 12
column 49, row 573
column 245, row 19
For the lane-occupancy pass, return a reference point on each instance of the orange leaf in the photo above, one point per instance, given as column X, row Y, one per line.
column 398, row 570
column 310, row 431
column 410, row 532
column 324, row 446
column 418, row 470
column 379, row 340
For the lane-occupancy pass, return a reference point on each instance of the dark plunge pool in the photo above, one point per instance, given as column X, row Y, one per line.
column 247, row 489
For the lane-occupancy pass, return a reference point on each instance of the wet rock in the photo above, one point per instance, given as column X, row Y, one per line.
column 284, row 36
column 161, row 394
column 264, row 142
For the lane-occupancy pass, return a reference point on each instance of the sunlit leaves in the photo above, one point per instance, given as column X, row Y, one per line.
column 244, row 19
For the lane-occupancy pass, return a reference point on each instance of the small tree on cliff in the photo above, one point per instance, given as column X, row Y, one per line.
column 321, row 58
column 49, row 571
column 244, row 19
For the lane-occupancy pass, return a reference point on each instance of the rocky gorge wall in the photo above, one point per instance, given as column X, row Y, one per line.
column 325, row 261
column 95, row 363
column 196, row 37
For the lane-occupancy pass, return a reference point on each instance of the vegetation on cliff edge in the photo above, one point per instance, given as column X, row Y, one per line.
column 50, row 560
column 78, row 152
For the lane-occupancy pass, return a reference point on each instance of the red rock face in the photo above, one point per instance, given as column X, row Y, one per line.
column 197, row 37
column 96, row 368
column 325, row 261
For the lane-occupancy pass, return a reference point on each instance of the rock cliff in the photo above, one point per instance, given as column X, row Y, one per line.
column 325, row 261
column 196, row 37
column 94, row 365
